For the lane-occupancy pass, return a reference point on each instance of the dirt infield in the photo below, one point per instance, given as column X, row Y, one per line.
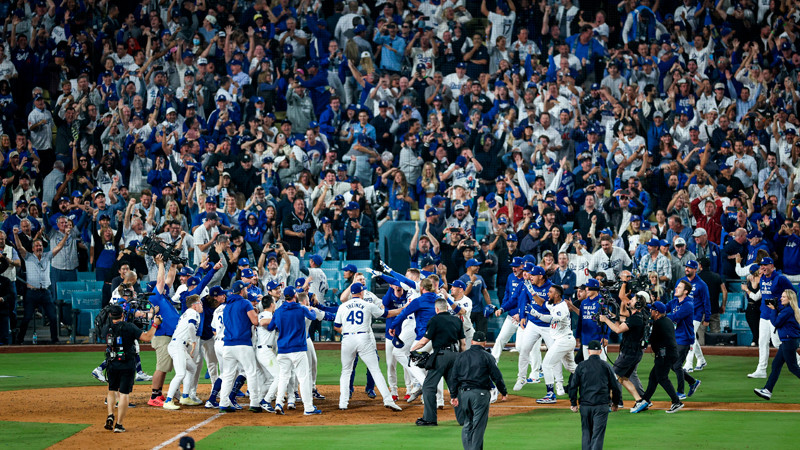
column 149, row 427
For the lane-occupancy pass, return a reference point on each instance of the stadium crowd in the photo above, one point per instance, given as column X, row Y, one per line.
column 606, row 140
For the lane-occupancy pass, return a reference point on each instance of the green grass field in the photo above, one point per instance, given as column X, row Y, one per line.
column 723, row 381
column 552, row 429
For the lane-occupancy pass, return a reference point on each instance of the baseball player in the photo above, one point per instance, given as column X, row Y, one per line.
column 534, row 329
column 274, row 291
column 182, row 349
column 461, row 307
column 590, row 329
column 509, row 305
column 265, row 349
column 701, row 303
column 308, row 299
column 218, row 328
column 562, row 342
column 289, row 320
column 396, row 297
column 354, row 321
column 238, row 319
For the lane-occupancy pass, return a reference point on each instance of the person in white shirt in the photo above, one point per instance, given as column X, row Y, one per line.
column 354, row 321
column 181, row 350
column 502, row 20
column 266, row 349
column 609, row 259
column 563, row 342
column 204, row 237
column 461, row 307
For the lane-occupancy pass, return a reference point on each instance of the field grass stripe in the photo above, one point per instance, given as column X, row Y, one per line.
column 187, row 431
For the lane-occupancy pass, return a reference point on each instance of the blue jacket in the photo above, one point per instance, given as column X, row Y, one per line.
column 423, row 309
column 785, row 323
column 714, row 255
column 590, row 330
column 791, row 252
column 771, row 289
column 569, row 279
column 509, row 303
column 525, row 301
column 290, row 321
column 700, row 298
column 169, row 315
column 238, row 328
column 681, row 314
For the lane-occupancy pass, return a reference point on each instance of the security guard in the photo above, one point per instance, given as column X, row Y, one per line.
column 595, row 379
column 446, row 334
column 473, row 374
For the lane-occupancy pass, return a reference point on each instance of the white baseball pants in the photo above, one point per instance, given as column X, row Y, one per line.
column 362, row 345
column 297, row 361
column 561, row 351
column 244, row 356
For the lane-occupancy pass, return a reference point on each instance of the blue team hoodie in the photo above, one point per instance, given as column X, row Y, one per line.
column 509, row 304
column 791, row 253
column 169, row 315
column 701, row 299
column 590, row 330
column 391, row 301
column 238, row 328
column 682, row 314
column 772, row 288
column 527, row 304
column 423, row 309
column 785, row 323
column 290, row 322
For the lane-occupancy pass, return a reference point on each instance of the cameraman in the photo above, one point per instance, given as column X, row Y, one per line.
column 631, row 326
column 121, row 339
column 590, row 329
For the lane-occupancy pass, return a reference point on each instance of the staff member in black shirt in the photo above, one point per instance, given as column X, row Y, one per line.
column 665, row 350
column 595, row 380
column 631, row 327
column 473, row 374
column 446, row 334
column 121, row 355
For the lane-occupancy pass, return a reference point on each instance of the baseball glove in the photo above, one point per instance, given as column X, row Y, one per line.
column 489, row 310
column 419, row 359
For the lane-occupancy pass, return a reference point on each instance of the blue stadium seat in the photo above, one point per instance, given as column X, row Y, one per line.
column 739, row 322
column 568, row 227
column 88, row 304
column 87, row 276
column 744, row 338
column 736, row 301
column 332, row 264
column 94, row 286
column 734, row 285
column 64, row 289
column 726, row 319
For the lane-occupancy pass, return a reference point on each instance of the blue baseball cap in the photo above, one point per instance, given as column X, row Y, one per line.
column 324, row 219
column 653, row 242
column 316, row 259
column 244, row 262
column 356, row 288
column 248, row 273
column 273, row 285
column 238, row 285
column 352, row 206
column 692, row 264
column 755, row 234
column 216, row 290
column 538, row 270
column 437, row 199
column 193, row 281
column 502, row 221
column 458, row 284
column 754, row 267
column 516, row 261
column 767, row 261
column 461, row 65
column 289, row 291
column 186, row 272
column 461, row 161
column 431, row 212
column 664, row 243
column 659, row 306
column 287, row 48
column 298, row 283
column 473, row 262
column 350, row 268
column 592, row 284
column 636, row 218
column 512, row 237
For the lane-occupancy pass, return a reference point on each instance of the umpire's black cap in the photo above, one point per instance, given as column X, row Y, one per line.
column 186, row 443
column 595, row 345
column 479, row 336
column 115, row 312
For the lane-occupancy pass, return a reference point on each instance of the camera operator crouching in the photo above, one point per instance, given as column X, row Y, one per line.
column 631, row 327
column 121, row 339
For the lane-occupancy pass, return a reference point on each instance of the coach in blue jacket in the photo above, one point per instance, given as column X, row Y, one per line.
column 784, row 318
column 681, row 313
column 238, row 319
column 701, row 301
column 290, row 321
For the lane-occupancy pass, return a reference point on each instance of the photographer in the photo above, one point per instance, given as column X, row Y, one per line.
column 121, row 339
column 631, row 326
column 590, row 329
column 665, row 351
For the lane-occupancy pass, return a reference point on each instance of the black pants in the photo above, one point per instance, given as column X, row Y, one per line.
column 660, row 375
column 39, row 298
column 593, row 426
column 752, row 314
column 787, row 354
column 479, row 321
column 444, row 362
column 682, row 375
column 473, row 415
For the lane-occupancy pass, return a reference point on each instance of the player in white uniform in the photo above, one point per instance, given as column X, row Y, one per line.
column 465, row 308
column 354, row 321
column 181, row 350
column 311, row 352
column 562, row 341
column 265, row 339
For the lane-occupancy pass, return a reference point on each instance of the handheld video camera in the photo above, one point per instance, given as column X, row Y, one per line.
column 153, row 246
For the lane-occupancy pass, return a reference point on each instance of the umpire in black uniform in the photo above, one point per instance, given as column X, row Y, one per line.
column 595, row 379
column 473, row 374
column 446, row 334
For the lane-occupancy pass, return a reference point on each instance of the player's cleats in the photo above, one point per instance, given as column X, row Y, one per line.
column 693, row 388
column 548, row 399
column 518, row 386
column 315, row 412
column 560, row 389
column 393, row 406
column 757, row 375
column 97, row 373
